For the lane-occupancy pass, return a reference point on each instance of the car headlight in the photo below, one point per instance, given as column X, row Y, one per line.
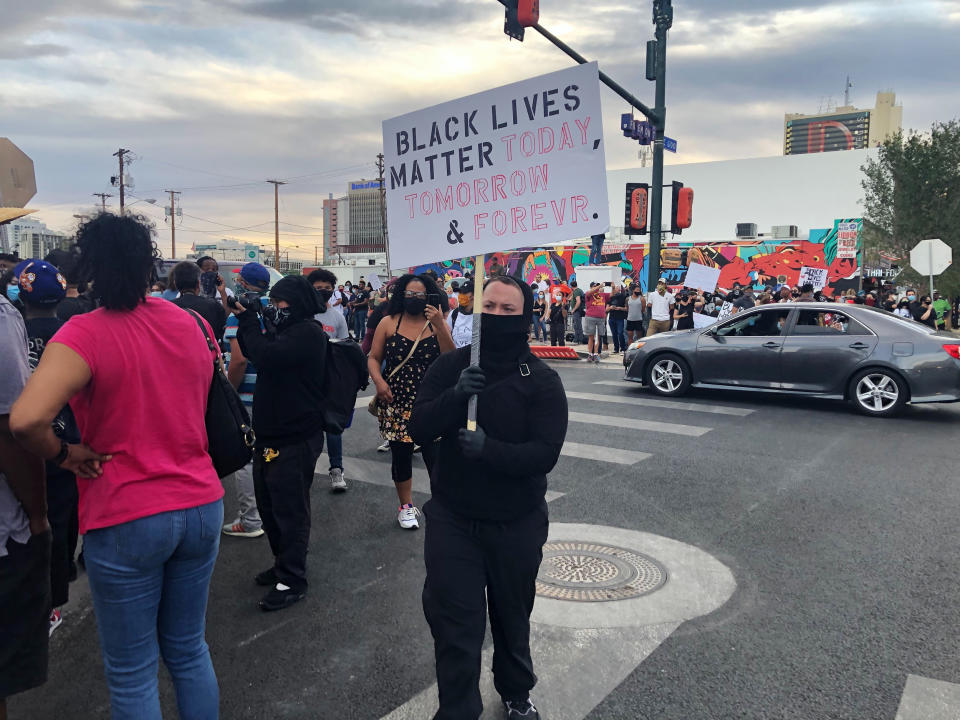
column 636, row 345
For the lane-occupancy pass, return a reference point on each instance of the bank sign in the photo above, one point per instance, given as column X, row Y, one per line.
column 516, row 166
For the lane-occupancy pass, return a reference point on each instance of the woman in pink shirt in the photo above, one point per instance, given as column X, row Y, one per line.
column 136, row 373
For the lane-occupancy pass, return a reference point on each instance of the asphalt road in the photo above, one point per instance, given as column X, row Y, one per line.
column 839, row 531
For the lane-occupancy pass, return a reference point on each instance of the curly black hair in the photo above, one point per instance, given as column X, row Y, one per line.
column 400, row 287
column 118, row 254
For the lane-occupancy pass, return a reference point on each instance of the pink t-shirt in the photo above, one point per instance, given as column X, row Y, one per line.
column 145, row 406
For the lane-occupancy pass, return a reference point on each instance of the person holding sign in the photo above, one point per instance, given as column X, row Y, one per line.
column 488, row 516
column 595, row 322
column 409, row 340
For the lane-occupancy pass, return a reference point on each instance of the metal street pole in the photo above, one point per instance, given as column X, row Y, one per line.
column 663, row 18
column 276, row 220
column 930, row 260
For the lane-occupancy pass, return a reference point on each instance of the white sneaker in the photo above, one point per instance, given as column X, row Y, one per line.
column 384, row 447
column 56, row 620
column 409, row 517
column 337, row 483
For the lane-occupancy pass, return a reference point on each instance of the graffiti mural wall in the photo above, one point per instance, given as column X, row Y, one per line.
column 748, row 262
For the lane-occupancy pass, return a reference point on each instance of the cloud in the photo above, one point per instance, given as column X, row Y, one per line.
column 242, row 90
column 31, row 50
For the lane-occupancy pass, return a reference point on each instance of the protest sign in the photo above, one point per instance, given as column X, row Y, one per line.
column 701, row 277
column 702, row 321
column 815, row 276
column 848, row 239
column 726, row 310
column 375, row 282
column 517, row 165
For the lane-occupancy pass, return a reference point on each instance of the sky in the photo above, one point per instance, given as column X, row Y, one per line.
column 214, row 97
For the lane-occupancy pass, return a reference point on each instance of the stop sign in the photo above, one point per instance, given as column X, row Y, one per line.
column 931, row 257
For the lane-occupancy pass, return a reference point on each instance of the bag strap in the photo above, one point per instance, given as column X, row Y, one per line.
column 409, row 354
column 210, row 344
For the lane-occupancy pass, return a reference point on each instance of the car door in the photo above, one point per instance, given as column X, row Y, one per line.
column 822, row 349
column 744, row 350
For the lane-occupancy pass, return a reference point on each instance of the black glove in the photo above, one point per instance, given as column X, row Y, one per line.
column 472, row 442
column 472, row 381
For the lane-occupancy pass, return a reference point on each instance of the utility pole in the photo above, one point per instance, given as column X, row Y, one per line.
column 383, row 211
column 103, row 200
column 276, row 220
column 173, row 222
column 663, row 19
column 120, row 155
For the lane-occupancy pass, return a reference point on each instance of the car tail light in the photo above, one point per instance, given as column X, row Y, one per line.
column 953, row 351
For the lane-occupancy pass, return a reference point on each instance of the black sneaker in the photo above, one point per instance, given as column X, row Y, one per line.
column 266, row 578
column 283, row 597
column 520, row 710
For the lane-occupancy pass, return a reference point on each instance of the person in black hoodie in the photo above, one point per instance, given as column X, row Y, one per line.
column 487, row 519
column 288, row 422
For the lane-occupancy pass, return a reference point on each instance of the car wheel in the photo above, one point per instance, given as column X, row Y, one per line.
column 668, row 375
column 878, row 392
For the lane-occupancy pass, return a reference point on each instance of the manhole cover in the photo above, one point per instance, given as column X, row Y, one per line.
column 589, row 572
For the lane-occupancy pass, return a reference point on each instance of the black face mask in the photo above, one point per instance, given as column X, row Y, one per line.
column 414, row 306
column 503, row 334
column 325, row 295
column 277, row 316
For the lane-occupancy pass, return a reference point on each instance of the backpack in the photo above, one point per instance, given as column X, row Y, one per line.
column 345, row 375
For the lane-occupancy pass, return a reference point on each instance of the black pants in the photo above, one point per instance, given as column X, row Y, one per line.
column 62, row 501
column 468, row 563
column 282, row 487
column 556, row 334
column 401, row 461
column 24, row 614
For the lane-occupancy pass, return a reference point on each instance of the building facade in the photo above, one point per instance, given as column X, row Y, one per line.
column 366, row 219
column 336, row 226
column 845, row 128
column 31, row 238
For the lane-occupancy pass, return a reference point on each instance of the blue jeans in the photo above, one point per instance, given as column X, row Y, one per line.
column 335, row 450
column 539, row 328
column 619, row 339
column 360, row 323
column 149, row 579
column 596, row 247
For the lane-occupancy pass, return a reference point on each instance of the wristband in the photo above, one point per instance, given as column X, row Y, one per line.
column 59, row 458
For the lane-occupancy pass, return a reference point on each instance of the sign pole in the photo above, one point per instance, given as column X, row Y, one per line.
column 478, row 275
column 930, row 256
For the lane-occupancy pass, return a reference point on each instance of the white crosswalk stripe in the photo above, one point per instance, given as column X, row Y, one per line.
column 634, row 399
column 603, row 453
column 634, row 424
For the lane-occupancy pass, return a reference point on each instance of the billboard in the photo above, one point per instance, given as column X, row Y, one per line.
column 827, row 133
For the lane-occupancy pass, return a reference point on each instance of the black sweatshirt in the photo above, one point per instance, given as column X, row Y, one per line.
column 525, row 420
column 288, row 398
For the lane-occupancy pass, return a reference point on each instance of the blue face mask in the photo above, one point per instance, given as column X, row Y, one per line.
column 13, row 292
column 156, row 293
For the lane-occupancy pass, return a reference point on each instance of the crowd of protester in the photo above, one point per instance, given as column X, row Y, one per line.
column 86, row 451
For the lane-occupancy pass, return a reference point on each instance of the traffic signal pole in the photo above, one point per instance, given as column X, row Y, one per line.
column 663, row 20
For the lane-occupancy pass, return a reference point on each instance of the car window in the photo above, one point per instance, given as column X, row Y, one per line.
column 827, row 323
column 762, row 323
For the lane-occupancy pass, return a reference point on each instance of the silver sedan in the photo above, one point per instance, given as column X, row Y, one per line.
column 876, row 360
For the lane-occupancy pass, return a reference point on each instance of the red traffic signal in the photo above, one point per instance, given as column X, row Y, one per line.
column 635, row 221
column 528, row 12
column 681, row 216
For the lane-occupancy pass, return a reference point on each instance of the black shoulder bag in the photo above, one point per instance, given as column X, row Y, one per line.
column 230, row 438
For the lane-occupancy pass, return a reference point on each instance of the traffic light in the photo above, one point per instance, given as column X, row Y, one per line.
column 511, row 23
column 635, row 220
column 528, row 12
column 681, row 215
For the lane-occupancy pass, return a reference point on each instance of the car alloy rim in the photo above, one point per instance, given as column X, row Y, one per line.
column 667, row 375
column 877, row 392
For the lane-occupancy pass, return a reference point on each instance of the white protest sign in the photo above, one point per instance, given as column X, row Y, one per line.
column 848, row 237
column 520, row 165
column 701, row 277
column 701, row 321
column 815, row 276
column 375, row 282
column 726, row 310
